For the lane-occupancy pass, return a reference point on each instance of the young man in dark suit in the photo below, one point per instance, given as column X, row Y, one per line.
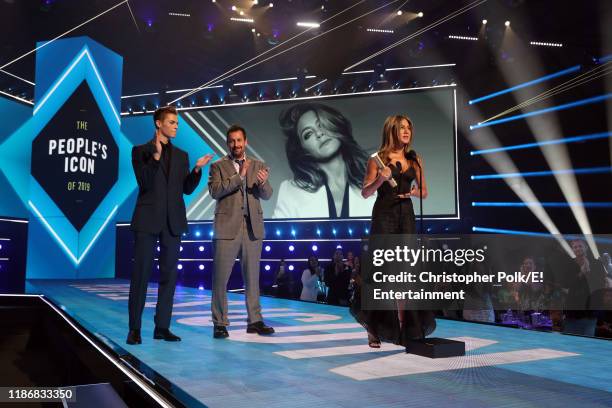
column 163, row 176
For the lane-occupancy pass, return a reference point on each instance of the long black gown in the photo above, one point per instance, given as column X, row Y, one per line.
column 392, row 215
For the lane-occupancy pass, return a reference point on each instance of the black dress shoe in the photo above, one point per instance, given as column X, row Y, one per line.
column 165, row 334
column 259, row 328
column 220, row 332
column 134, row 337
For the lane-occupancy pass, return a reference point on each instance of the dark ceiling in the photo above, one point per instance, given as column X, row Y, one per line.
column 165, row 52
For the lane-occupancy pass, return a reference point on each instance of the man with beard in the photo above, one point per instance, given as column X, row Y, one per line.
column 238, row 183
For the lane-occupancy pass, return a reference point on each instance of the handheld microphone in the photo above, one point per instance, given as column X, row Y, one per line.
column 381, row 165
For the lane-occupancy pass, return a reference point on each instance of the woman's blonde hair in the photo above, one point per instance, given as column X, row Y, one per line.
column 390, row 136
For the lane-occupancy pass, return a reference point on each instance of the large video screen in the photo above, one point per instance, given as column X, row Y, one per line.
column 316, row 147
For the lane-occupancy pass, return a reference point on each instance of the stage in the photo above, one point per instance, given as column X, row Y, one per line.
column 319, row 356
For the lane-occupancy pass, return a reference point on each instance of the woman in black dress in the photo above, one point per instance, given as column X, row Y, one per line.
column 393, row 214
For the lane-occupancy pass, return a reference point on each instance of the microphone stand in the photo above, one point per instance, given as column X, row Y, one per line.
column 420, row 195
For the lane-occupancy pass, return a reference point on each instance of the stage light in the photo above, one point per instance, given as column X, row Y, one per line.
column 201, row 287
column 334, row 231
column 318, row 232
column 271, row 5
column 211, row 233
column 233, row 8
column 545, row 44
column 179, row 267
column 400, row 12
column 255, row 2
column 201, row 267
column 308, row 24
column 201, row 248
column 259, row 34
column 198, row 233
column 267, row 248
column 0, row 246
column 379, row 30
column 291, row 248
column 278, row 233
column 315, row 248
column 252, row 30
column 158, row 249
column 507, row 23
column 267, row 267
column 462, row 37
column 420, row 14
column 291, row 267
column 241, row 13
column 181, row 248
column 367, row 230
column 179, row 14
column 293, row 232
column 484, row 21
column 338, row 246
column 242, row 20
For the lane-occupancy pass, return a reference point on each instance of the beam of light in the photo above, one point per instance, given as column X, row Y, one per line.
column 584, row 170
column 317, row 84
column 17, row 98
column 230, row 73
column 543, row 127
column 558, row 204
column 569, row 237
column 132, row 15
column 419, row 32
column 573, row 139
column 502, row 163
column 63, row 34
column 265, row 81
column 569, row 105
column 17, row 77
column 581, row 79
column 138, row 95
column 419, row 67
column 526, row 84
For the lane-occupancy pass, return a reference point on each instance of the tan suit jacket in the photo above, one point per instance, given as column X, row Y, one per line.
column 225, row 186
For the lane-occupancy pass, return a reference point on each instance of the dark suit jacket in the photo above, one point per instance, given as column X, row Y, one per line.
column 225, row 186
column 160, row 190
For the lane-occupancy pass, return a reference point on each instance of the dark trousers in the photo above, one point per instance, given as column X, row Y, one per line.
column 144, row 252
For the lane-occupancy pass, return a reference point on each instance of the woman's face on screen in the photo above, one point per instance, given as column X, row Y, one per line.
column 316, row 138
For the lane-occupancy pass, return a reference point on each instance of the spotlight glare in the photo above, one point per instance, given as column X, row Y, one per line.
column 308, row 24
column 484, row 21
column 241, row 13
column 271, row 5
column 420, row 14
column 507, row 23
column 399, row 12
column 233, row 8
column 252, row 30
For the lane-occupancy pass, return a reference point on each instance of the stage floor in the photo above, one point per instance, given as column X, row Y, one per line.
column 319, row 356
